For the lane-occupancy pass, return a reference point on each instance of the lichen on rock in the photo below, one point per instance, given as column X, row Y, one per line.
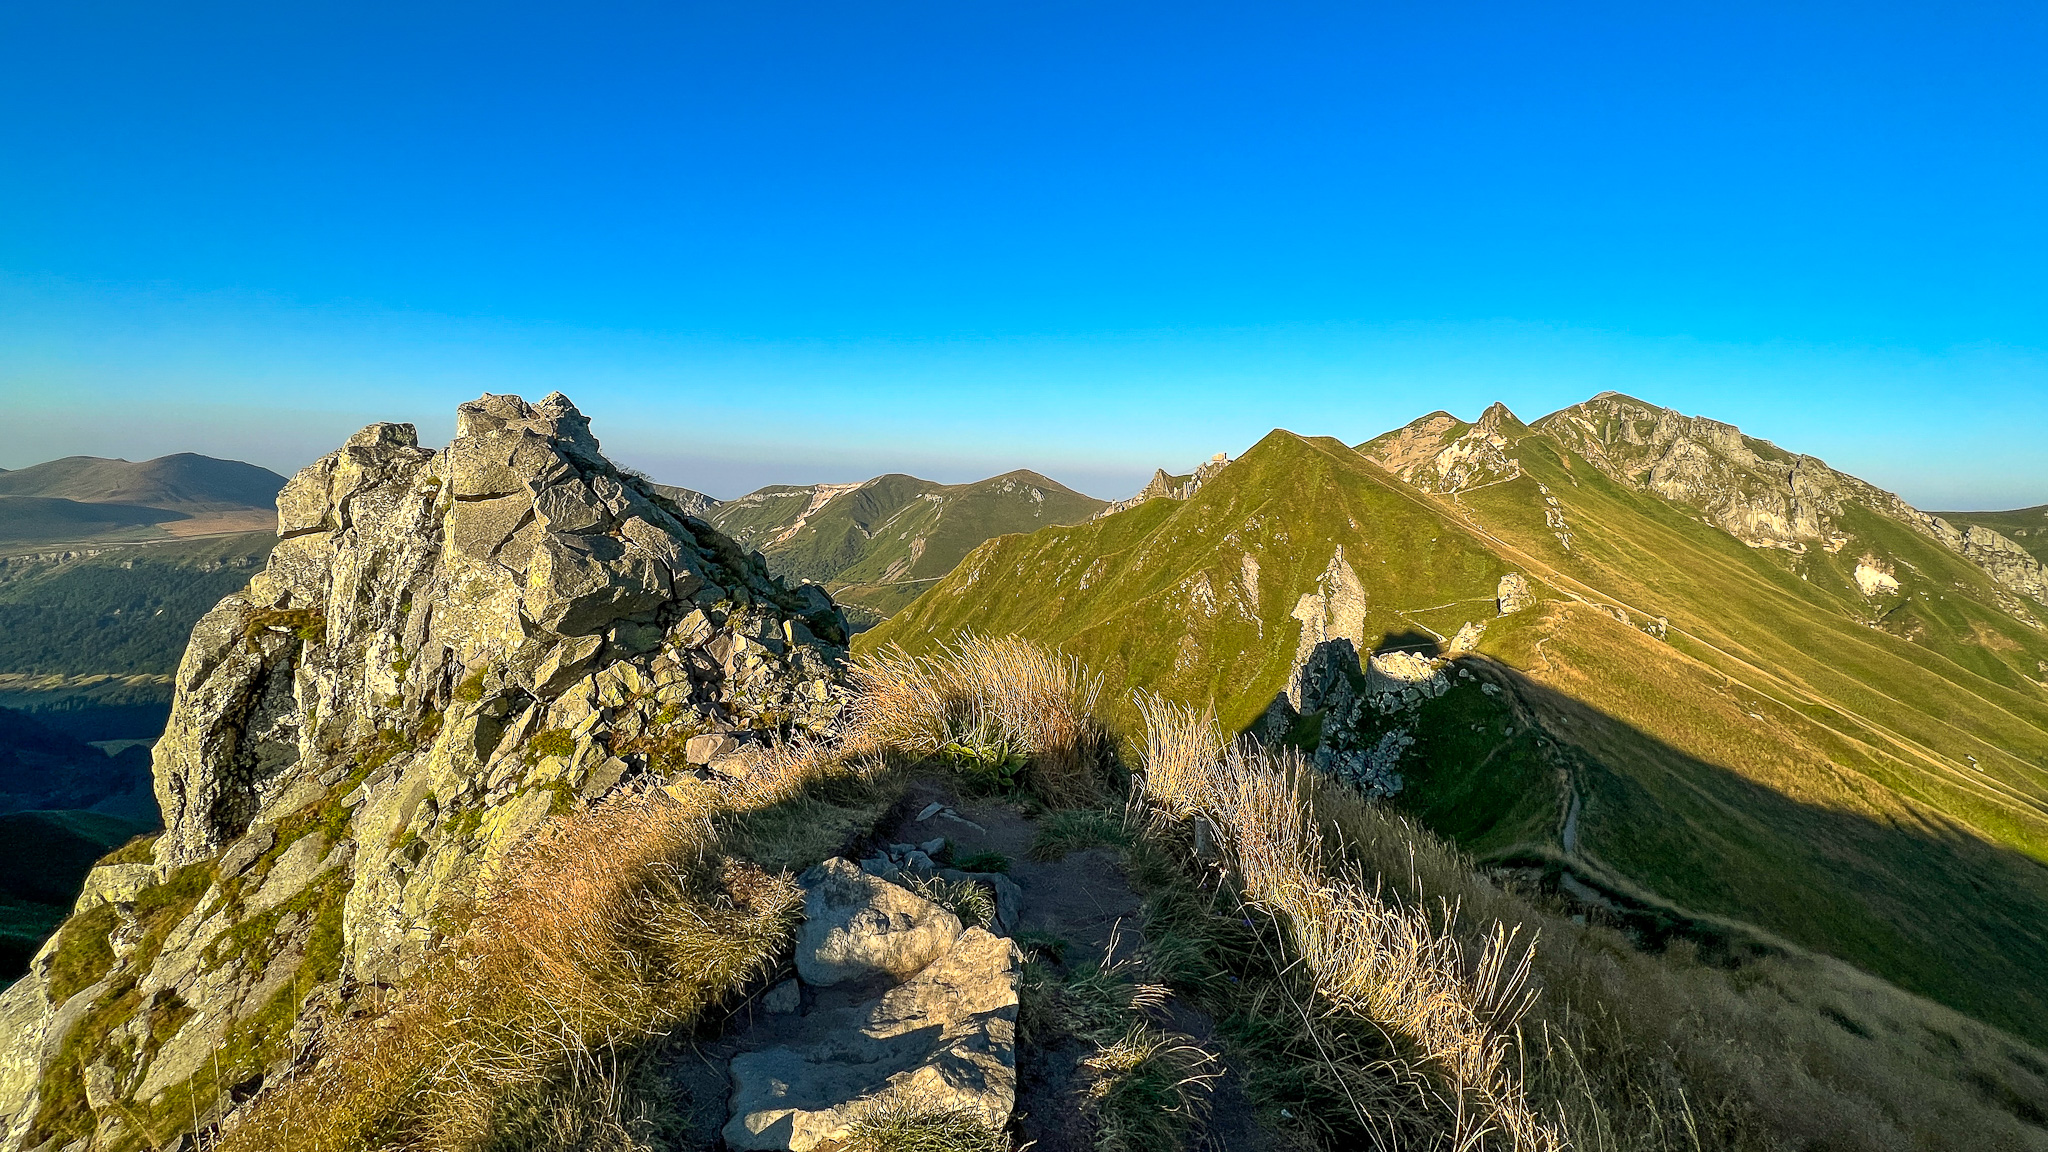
column 445, row 648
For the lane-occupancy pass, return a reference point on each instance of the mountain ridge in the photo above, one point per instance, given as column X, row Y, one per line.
column 1715, row 665
column 876, row 543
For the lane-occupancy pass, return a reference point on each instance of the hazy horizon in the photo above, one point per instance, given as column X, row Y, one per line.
column 800, row 243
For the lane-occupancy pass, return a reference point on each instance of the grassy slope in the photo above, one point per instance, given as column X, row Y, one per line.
column 1127, row 593
column 47, row 858
column 881, row 544
column 2027, row 527
column 1782, row 760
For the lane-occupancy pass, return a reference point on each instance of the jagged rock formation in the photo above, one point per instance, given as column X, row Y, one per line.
column 1761, row 494
column 1440, row 453
column 446, row 647
column 1164, row 486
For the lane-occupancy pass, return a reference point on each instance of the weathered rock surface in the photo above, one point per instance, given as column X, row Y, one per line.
column 445, row 647
column 1761, row 494
column 947, row 1034
column 1163, row 486
column 1513, row 594
column 858, row 926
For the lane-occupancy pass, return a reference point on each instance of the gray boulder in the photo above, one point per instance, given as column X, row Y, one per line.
column 1513, row 594
column 948, row 1035
column 858, row 926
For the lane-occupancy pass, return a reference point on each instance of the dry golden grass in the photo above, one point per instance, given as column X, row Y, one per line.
column 1370, row 956
column 610, row 927
column 993, row 693
column 1645, row 1051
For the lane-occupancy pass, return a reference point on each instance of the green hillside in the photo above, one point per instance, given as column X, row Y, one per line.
column 877, row 544
column 1731, row 742
column 2027, row 527
column 126, row 611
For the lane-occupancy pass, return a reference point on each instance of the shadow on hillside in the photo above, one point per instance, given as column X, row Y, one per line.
column 1410, row 640
column 1933, row 908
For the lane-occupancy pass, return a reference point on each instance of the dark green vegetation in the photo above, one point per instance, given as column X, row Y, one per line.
column 1788, row 760
column 125, row 611
column 47, row 857
column 876, row 545
column 36, row 519
column 41, row 767
column 2026, row 527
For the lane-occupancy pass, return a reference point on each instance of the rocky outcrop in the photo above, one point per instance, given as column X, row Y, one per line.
column 446, row 647
column 1165, row 487
column 858, row 926
column 1513, row 594
column 1761, row 494
column 1440, row 454
column 944, row 1034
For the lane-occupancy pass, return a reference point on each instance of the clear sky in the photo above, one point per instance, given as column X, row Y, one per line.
column 769, row 242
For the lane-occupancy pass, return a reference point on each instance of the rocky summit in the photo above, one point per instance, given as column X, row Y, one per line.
column 445, row 647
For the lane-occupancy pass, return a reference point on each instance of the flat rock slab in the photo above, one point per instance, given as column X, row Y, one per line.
column 948, row 1034
column 858, row 926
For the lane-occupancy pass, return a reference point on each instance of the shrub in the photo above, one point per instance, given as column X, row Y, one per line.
column 985, row 703
column 903, row 1122
column 1368, row 955
column 610, row 927
column 551, row 742
column 966, row 899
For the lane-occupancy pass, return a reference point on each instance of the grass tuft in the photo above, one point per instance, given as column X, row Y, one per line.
column 1000, row 709
column 899, row 1122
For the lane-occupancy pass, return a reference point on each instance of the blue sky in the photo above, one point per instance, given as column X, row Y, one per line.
column 782, row 243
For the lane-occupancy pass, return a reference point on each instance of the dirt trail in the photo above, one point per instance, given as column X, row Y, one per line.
column 1085, row 899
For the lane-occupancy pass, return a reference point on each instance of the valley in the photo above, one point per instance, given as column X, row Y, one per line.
column 1710, row 781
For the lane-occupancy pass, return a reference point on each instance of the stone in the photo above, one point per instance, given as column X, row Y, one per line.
column 636, row 638
column 1467, row 638
column 858, row 926
column 464, row 601
column 708, row 747
column 933, row 846
column 247, row 850
column 563, row 666
column 930, row 810
column 1513, row 594
column 947, row 1035
column 783, row 999
column 115, row 884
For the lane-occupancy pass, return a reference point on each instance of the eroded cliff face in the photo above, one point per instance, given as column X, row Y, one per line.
column 446, row 647
column 1758, row 493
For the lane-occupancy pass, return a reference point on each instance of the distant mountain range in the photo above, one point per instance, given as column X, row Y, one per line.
column 876, row 544
column 84, row 499
column 1727, row 687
